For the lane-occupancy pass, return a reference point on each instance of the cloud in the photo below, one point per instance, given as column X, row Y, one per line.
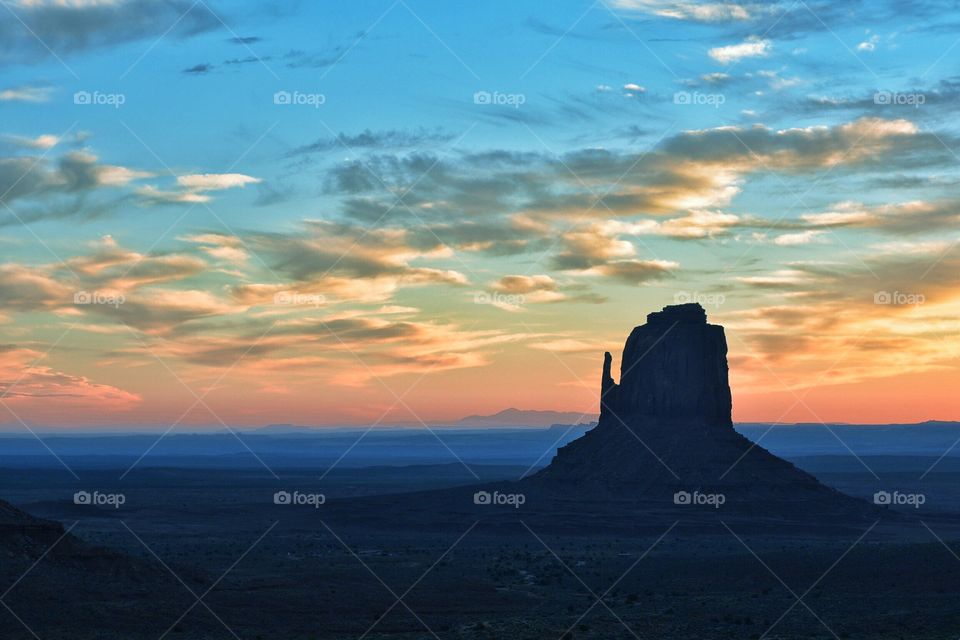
column 199, row 69
column 785, row 20
column 43, row 142
column 38, row 391
column 114, row 176
column 24, row 288
column 938, row 99
column 778, row 279
column 525, row 284
column 367, row 139
column 591, row 245
column 353, row 262
column 161, row 311
column 346, row 349
column 152, row 195
column 861, row 142
column 215, row 181
column 588, row 202
column 870, row 44
column 194, row 188
column 716, row 78
column 912, row 217
column 692, row 10
column 634, row 272
column 74, row 173
column 246, row 60
column 110, row 271
column 799, row 238
column 778, row 83
column 34, row 30
column 752, row 48
column 520, row 290
column 894, row 305
column 221, row 247
column 26, row 93
column 325, row 56
column 690, row 170
column 597, row 250
column 697, row 224
column 110, row 266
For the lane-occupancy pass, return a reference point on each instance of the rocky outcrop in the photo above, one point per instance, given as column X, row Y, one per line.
column 673, row 369
column 666, row 427
column 23, row 534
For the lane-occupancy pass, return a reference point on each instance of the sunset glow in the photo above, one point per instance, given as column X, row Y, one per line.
column 395, row 213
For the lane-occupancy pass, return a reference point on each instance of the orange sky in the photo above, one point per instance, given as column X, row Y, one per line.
column 313, row 226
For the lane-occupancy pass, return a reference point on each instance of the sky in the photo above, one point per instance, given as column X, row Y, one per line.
column 375, row 212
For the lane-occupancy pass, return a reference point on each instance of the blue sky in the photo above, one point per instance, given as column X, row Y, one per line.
column 471, row 194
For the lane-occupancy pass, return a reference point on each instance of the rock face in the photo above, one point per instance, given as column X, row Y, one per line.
column 667, row 428
column 674, row 368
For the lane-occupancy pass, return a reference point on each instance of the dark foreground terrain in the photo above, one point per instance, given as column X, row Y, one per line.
column 207, row 554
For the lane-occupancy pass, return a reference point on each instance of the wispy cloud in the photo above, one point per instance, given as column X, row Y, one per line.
column 26, row 93
column 368, row 140
column 751, row 48
column 691, row 10
column 32, row 31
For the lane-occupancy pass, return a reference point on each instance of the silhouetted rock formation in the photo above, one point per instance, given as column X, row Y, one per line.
column 674, row 368
column 667, row 428
column 664, row 452
column 23, row 535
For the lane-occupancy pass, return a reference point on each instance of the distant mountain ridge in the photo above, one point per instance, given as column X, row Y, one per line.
column 523, row 418
column 507, row 418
